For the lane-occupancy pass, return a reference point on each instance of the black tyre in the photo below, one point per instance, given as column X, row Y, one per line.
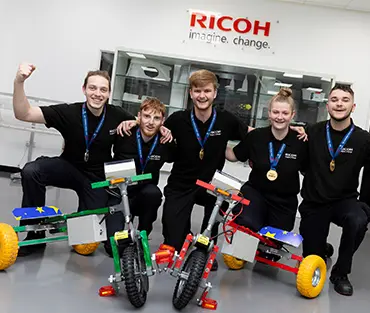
column 136, row 283
column 186, row 289
column 329, row 250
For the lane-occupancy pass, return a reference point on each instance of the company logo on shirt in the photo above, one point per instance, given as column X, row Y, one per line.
column 290, row 156
column 347, row 150
column 215, row 133
column 155, row 157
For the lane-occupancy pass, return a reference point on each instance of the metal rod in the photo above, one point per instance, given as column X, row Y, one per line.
column 43, row 240
column 213, row 217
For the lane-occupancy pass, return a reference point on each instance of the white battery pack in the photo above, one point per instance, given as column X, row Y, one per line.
column 86, row 229
column 226, row 182
column 243, row 246
column 120, row 169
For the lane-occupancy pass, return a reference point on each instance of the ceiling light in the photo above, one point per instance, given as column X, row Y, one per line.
column 136, row 55
column 283, row 85
column 271, row 92
column 293, row 75
column 314, row 89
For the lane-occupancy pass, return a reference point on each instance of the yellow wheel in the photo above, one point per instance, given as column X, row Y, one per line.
column 86, row 249
column 233, row 263
column 8, row 246
column 311, row 276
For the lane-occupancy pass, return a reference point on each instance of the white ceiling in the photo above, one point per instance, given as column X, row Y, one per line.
column 358, row 5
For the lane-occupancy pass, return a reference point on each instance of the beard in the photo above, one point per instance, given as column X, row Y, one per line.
column 151, row 132
column 340, row 119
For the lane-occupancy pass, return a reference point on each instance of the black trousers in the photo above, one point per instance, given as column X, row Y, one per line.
column 350, row 214
column 266, row 210
column 58, row 172
column 144, row 202
column 177, row 209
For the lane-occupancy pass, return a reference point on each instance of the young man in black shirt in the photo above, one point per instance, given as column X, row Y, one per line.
column 337, row 151
column 201, row 135
column 145, row 148
column 88, row 129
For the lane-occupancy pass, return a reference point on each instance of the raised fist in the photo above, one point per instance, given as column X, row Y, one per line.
column 24, row 71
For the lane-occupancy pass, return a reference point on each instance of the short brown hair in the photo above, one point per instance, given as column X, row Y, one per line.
column 284, row 95
column 153, row 104
column 97, row 73
column 201, row 78
column 345, row 88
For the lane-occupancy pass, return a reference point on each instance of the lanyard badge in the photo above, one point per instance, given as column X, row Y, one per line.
column 340, row 147
column 86, row 132
column 272, row 173
column 140, row 150
column 197, row 134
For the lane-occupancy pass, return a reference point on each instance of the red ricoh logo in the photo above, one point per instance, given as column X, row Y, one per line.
column 227, row 30
column 228, row 23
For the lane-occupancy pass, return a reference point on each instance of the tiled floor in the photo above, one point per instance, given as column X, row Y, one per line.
column 59, row 280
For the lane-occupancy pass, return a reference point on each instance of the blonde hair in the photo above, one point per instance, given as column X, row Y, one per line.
column 284, row 95
column 201, row 78
column 153, row 104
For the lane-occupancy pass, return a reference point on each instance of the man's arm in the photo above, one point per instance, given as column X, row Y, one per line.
column 230, row 155
column 22, row 109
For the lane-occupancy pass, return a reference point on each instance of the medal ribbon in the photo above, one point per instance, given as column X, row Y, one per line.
column 140, row 149
column 275, row 160
column 342, row 143
column 86, row 132
column 196, row 130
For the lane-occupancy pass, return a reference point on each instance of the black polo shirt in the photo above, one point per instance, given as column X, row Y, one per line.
column 255, row 148
column 188, row 167
column 126, row 148
column 67, row 119
column 322, row 186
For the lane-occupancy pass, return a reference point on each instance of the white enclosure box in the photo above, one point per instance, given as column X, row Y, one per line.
column 120, row 169
column 86, row 229
column 243, row 246
column 226, row 182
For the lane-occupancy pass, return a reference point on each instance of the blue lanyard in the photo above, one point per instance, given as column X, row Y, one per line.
column 342, row 143
column 86, row 132
column 140, row 150
column 196, row 130
column 274, row 161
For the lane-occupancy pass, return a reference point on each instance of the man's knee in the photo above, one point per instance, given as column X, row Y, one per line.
column 356, row 221
column 30, row 171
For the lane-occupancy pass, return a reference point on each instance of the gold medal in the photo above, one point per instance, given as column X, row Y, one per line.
column 332, row 165
column 201, row 154
column 272, row 175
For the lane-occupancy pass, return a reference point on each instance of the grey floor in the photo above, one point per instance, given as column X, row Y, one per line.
column 60, row 281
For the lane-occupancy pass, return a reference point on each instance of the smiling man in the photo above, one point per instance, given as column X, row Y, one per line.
column 201, row 135
column 88, row 129
column 337, row 151
column 145, row 147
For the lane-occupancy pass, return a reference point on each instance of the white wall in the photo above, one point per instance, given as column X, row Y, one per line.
column 63, row 38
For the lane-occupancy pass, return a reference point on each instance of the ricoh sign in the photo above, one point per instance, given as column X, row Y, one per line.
column 228, row 30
